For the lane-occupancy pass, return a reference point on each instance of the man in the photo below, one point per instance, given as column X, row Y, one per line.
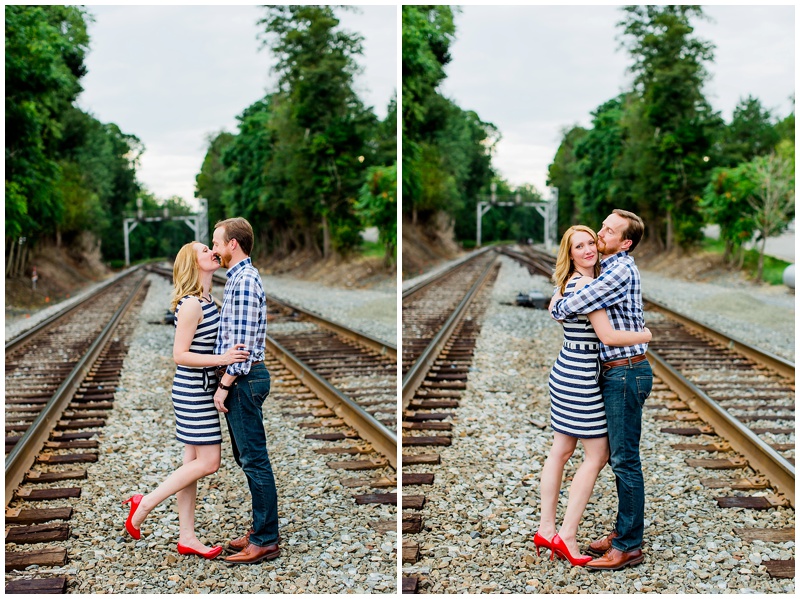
column 626, row 380
column 244, row 385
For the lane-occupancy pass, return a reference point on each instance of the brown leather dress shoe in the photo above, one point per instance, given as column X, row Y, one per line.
column 237, row 545
column 600, row 546
column 252, row 554
column 614, row 559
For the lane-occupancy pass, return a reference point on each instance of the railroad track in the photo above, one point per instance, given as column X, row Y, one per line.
column 441, row 323
column 60, row 383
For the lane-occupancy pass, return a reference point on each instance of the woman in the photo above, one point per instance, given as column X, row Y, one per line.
column 576, row 408
column 196, row 325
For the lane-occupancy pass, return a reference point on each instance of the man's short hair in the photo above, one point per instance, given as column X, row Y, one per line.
column 635, row 229
column 239, row 229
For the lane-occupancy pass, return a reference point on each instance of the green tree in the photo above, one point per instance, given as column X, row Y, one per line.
column 724, row 202
column 315, row 68
column 377, row 206
column 44, row 51
column 772, row 200
column 211, row 181
column 563, row 174
column 751, row 133
column 675, row 128
column 427, row 32
column 599, row 187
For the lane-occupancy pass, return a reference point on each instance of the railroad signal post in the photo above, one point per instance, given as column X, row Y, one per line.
column 548, row 209
column 197, row 222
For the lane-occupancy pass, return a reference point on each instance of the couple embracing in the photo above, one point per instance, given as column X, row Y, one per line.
column 220, row 368
column 598, row 386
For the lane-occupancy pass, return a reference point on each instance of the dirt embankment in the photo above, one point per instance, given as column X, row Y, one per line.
column 425, row 246
column 62, row 272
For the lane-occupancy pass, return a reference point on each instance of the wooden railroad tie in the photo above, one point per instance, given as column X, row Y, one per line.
column 419, row 478
column 424, row 441
column 72, row 458
column 413, row 502
column 37, row 586
column 20, row 516
column 383, row 526
column 780, row 568
column 409, row 584
column 379, row 498
column 755, row 503
column 724, row 446
column 359, row 464
column 47, row 494
column 332, row 436
column 411, row 523
column 422, row 458
column 432, row 426
column 721, row 464
column 383, row 482
column 410, row 552
column 49, row 556
column 768, row 535
column 689, row 432
column 33, row 476
column 37, row 533
column 739, row 484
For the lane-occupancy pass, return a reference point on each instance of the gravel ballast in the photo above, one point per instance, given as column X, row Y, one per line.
column 483, row 509
column 327, row 545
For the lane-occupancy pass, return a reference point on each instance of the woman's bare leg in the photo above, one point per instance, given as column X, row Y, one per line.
column 595, row 458
column 206, row 461
column 550, row 482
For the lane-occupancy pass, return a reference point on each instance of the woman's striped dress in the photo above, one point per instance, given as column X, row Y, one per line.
column 197, row 420
column 576, row 404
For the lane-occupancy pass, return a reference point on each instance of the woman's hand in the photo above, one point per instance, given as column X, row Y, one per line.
column 235, row 354
column 649, row 334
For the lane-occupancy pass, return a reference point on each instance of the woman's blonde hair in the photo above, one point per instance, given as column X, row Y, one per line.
column 186, row 275
column 565, row 268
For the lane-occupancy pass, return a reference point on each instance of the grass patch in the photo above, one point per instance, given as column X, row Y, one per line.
column 773, row 267
column 372, row 249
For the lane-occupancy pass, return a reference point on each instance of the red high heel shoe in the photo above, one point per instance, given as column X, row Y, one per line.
column 560, row 547
column 210, row 554
column 540, row 541
column 134, row 501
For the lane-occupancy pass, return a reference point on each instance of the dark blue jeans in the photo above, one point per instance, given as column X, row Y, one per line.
column 624, row 390
column 249, row 443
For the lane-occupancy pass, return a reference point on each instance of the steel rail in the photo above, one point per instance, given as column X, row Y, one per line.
column 760, row 456
column 541, row 266
column 369, row 428
column 774, row 362
column 382, row 347
column 24, row 453
column 452, row 268
column 417, row 373
column 36, row 329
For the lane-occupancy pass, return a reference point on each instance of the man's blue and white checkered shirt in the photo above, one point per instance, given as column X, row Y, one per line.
column 243, row 318
column 618, row 289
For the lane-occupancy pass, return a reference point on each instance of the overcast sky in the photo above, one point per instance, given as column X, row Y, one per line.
column 534, row 70
column 172, row 75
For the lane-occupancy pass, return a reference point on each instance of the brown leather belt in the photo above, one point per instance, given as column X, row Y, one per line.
column 624, row 362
